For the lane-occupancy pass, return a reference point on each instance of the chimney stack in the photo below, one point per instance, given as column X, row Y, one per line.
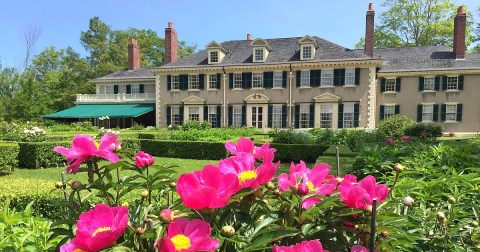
column 249, row 36
column 171, row 44
column 459, row 27
column 133, row 54
column 369, row 31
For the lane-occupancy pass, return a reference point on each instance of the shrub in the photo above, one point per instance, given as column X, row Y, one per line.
column 359, row 139
column 8, row 156
column 137, row 126
column 291, row 136
column 187, row 150
column 295, row 152
column 131, row 146
column 146, row 136
column 395, row 126
column 43, row 205
column 199, row 125
column 325, row 136
column 425, row 131
column 37, row 155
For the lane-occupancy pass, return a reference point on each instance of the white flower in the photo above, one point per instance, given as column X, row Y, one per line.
column 408, row 201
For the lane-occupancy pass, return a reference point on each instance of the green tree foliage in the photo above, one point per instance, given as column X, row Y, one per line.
column 417, row 23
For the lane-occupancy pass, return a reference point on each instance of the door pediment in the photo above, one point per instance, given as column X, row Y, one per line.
column 193, row 100
column 257, row 98
column 327, row 97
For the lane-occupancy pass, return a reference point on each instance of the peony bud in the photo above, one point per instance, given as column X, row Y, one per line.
column 384, row 234
column 270, row 185
column 166, row 216
column 207, row 210
column 76, row 185
column 140, row 231
column 276, row 192
column 408, row 201
column 369, row 209
column 441, row 216
column 452, row 200
column 228, row 231
column 302, row 189
column 431, row 205
column 257, row 192
column 143, row 159
column 398, row 168
column 173, row 184
column 58, row 185
column 474, row 224
column 144, row 193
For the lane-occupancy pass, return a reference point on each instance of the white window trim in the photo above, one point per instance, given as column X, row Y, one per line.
column 312, row 46
column 433, row 109
column 321, row 78
column 264, row 54
column 171, row 83
column 208, row 82
column 354, row 76
column 394, row 86
column 198, row 82
column 263, row 82
column 218, row 56
column 281, row 82
column 451, row 121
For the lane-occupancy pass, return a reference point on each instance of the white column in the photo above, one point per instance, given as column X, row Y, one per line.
column 372, row 98
column 157, row 101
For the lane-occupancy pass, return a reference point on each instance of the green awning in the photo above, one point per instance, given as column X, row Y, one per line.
column 99, row 110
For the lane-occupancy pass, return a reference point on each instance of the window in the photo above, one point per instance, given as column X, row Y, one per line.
column 429, row 84
column 257, row 80
column 349, row 76
column 135, row 89
column 348, row 115
column 307, row 52
column 389, row 110
column 304, row 116
column 175, row 82
column 305, row 78
column 212, row 81
column 175, row 116
column 237, row 80
column 452, row 83
column 194, row 113
column 326, row 112
column 277, row 116
column 109, row 90
column 193, row 82
column 212, row 116
column 277, row 80
column 327, row 78
column 451, row 112
column 213, row 56
column 390, row 85
column 258, row 55
column 237, row 116
column 427, row 112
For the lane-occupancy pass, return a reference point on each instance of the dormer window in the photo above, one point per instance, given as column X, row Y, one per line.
column 307, row 52
column 260, row 50
column 216, row 53
column 213, row 56
column 259, row 54
column 307, row 47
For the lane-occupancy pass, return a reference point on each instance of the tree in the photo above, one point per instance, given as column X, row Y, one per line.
column 477, row 35
column 416, row 23
column 31, row 35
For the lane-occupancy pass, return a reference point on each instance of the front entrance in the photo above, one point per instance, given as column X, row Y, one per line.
column 257, row 117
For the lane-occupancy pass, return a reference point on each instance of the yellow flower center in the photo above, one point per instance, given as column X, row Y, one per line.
column 254, row 151
column 246, row 175
column 310, row 185
column 181, row 242
column 99, row 230
column 96, row 144
column 78, row 250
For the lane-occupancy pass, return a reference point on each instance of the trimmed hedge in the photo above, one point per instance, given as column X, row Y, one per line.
column 187, row 150
column 295, row 152
column 8, row 156
column 40, row 155
column 147, row 136
column 44, row 205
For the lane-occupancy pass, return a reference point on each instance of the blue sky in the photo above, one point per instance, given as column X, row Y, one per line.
column 197, row 22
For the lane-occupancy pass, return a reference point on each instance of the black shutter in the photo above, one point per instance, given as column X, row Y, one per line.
column 397, row 109
column 183, row 81
column 357, row 76
column 169, row 116
column 268, row 79
column 419, row 112
column 181, row 114
column 169, row 82
column 356, row 114
column 339, row 77
column 129, row 89
column 230, row 115
column 115, row 89
column 312, row 115
column 244, row 115
column 219, row 81
column 460, row 82
column 284, row 116
column 459, row 112
column 315, row 78
column 444, row 82
column 443, row 113
column 142, row 88
column 297, row 116
column 397, row 84
column 201, row 81
column 284, row 79
column 382, row 112
column 205, row 114
column 246, row 80
column 382, row 85
column 219, row 116
column 270, row 116
column 230, row 80
column 297, row 78
column 437, row 83
column 340, row 115
column 421, row 83
column 435, row 112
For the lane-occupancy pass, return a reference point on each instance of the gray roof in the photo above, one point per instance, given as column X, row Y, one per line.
column 424, row 58
column 139, row 73
column 284, row 50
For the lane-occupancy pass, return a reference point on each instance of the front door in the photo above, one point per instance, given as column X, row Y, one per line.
column 257, row 117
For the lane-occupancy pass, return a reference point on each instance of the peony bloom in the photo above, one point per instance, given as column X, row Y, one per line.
column 405, row 138
column 99, row 228
column 358, row 248
column 143, row 159
column 71, row 247
column 305, row 246
column 246, row 145
column 207, row 188
column 84, row 147
column 243, row 166
column 187, row 236
column 361, row 195
column 389, row 140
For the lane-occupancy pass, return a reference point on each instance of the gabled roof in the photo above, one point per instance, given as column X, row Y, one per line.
column 139, row 73
column 283, row 50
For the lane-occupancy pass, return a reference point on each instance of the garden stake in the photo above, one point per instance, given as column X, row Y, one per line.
column 338, row 161
column 64, row 186
column 372, row 225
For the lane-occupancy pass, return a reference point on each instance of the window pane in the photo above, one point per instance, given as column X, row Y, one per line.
column 429, row 84
column 212, row 81
column 277, row 116
column 389, row 110
column 451, row 113
column 349, row 76
column 304, row 116
column 258, row 54
column 175, row 116
column 214, row 56
column 327, row 77
column 212, row 116
column 305, row 78
column 390, row 85
column 277, row 79
column 307, row 52
column 237, row 80
column 193, row 114
column 109, row 90
column 348, row 116
column 175, row 82
column 326, row 112
column 135, row 89
column 427, row 113
column 452, row 83
column 237, row 116
column 193, row 82
column 257, row 80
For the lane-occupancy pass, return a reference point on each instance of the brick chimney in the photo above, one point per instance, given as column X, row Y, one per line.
column 459, row 27
column 133, row 55
column 171, row 44
column 249, row 36
column 369, row 31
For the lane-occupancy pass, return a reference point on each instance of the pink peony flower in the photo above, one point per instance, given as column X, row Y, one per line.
column 207, row 188
column 246, row 145
column 361, row 195
column 166, row 216
column 243, row 166
column 187, row 236
column 99, row 228
column 143, row 159
column 406, row 138
column 389, row 140
column 71, row 247
column 358, row 248
column 304, row 246
column 408, row 201
column 84, row 147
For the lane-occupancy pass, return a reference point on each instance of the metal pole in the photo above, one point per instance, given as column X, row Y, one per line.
column 372, row 225
column 338, row 161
